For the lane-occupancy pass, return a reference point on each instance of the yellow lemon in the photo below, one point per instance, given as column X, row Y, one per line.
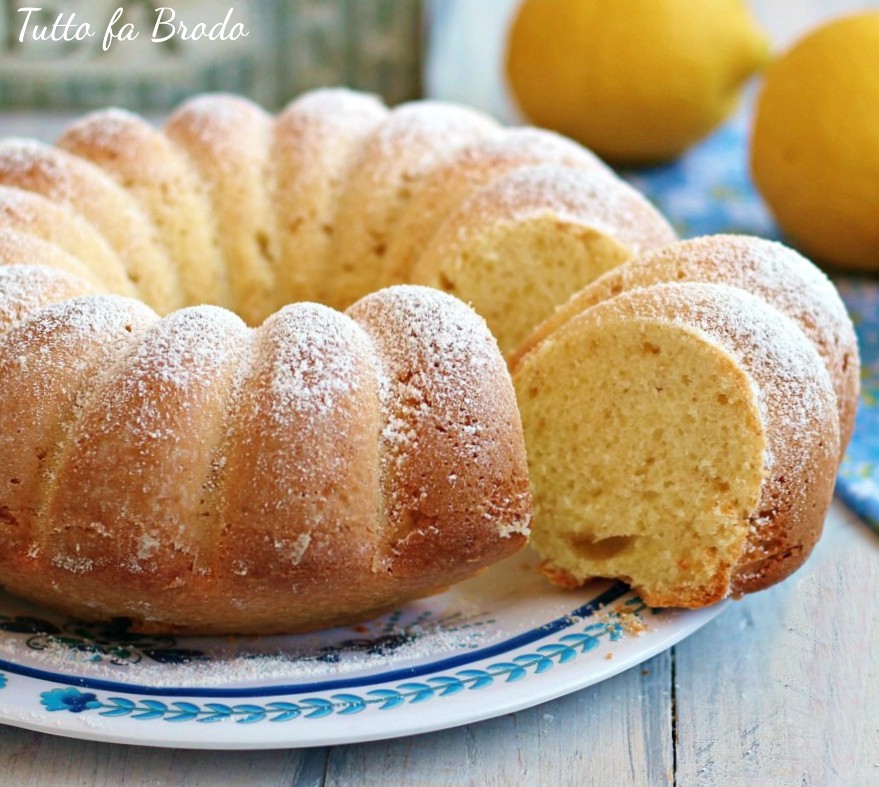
column 635, row 80
column 815, row 142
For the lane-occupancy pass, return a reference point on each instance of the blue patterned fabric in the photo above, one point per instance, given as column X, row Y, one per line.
column 858, row 482
column 709, row 191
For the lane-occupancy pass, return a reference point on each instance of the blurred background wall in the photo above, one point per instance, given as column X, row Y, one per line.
column 401, row 49
column 292, row 45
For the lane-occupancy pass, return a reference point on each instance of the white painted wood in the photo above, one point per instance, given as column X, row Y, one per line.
column 783, row 688
column 31, row 759
column 615, row 733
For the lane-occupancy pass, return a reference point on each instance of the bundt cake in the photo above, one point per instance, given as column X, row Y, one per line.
column 249, row 466
column 318, row 467
column 684, row 417
column 334, row 198
column 193, row 474
column 518, row 247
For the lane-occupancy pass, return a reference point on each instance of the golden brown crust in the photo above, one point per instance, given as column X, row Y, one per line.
column 299, row 501
column 716, row 589
column 142, row 159
column 452, row 507
column 192, row 474
column 801, row 424
column 315, row 139
column 574, row 223
column 47, row 359
column 559, row 576
column 27, row 218
column 195, row 474
column 26, row 288
column 385, row 169
column 83, row 188
column 471, row 168
column 18, row 248
column 227, row 140
column 128, row 486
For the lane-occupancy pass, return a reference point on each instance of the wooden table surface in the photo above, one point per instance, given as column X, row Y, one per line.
column 781, row 689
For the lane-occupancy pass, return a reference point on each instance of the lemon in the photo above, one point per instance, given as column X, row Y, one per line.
column 815, row 142
column 635, row 80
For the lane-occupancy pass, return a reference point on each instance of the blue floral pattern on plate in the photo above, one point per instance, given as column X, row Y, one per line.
column 69, row 699
column 523, row 665
column 534, row 650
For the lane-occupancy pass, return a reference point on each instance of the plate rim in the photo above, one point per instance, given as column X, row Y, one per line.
column 501, row 697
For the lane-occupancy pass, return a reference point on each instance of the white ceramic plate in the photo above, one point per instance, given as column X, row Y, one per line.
column 496, row 644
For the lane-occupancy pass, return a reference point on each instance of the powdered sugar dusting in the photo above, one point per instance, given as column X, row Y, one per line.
column 57, row 330
column 24, row 288
column 412, row 132
column 447, row 185
column 184, row 352
column 312, row 368
column 211, row 121
column 773, row 271
column 388, row 165
column 19, row 248
column 444, row 374
column 87, row 190
column 62, row 325
column 19, row 207
column 55, row 336
column 784, row 279
column 186, row 347
column 103, row 128
column 437, row 339
column 319, row 107
column 791, row 382
column 254, row 662
column 112, row 134
column 293, row 549
column 31, row 164
column 580, row 196
column 526, row 146
column 35, row 228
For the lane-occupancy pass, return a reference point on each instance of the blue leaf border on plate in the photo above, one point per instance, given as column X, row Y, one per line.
column 543, row 658
column 612, row 594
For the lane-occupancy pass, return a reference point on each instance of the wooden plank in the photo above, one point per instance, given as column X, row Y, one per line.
column 618, row 732
column 32, row 759
column 783, row 687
